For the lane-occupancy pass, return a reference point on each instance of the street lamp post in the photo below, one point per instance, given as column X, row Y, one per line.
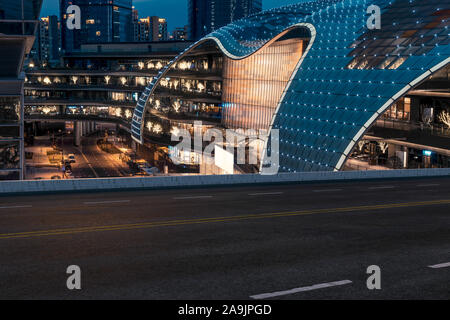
column 63, row 166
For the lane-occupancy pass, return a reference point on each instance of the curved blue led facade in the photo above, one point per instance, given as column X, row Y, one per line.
column 346, row 80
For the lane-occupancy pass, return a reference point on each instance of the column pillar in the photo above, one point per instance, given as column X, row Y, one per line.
column 406, row 159
column 392, row 148
column 77, row 132
column 84, row 130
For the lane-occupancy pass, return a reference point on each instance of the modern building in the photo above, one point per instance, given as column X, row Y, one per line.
column 18, row 23
column 159, row 29
column 47, row 45
column 101, row 21
column 329, row 93
column 150, row 29
column 142, row 32
column 99, row 83
column 180, row 33
column 206, row 16
column 135, row 22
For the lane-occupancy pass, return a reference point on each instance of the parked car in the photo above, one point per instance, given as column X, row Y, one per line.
column 71, row 158
column 69, row 175
column 141, row 174
column 142, row 164
column 153, row 171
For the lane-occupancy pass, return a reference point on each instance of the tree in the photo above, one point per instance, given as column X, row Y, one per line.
column 444, row 117
column 383, row 146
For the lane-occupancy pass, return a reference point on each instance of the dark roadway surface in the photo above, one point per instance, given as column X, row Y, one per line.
column 91, row 162
column 158, row 245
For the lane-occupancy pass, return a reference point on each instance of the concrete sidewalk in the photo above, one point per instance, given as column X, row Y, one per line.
column 39, row 166
column 40, row 157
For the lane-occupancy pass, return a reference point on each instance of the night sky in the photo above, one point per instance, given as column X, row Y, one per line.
column 174, row 10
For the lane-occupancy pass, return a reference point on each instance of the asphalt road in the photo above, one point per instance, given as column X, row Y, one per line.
column 90, row 161
column 231, row 243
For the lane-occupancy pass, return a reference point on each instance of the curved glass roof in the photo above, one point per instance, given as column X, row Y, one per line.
column 350, row 76
column 332, row 100
column 237, row 40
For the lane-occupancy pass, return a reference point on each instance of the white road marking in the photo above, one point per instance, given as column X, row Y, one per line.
column 428, row 185
column 328, row 190
column 192, row 197
column 441, row 265
column 265, row 194
column 381, row 187
column 111, row 201
column 14, row 207
column 301, row 289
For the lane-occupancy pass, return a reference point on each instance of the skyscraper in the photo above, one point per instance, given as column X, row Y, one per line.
column 101, row 21
column 159, row 29
column 206, row 16
column 18, row 21
column 48, row 39
column 142, row 30
column 150, row 29
column 136, row 25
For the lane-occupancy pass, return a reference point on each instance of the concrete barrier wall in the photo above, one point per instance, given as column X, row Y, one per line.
column 33, row 186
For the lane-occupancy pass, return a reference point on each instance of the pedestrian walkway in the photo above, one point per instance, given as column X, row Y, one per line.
column 39, row 166
column 40, row 157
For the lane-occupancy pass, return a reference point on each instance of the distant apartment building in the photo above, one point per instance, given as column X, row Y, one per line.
column 206, row 16
column 135, row 22
column 102, row 21
column 150, row 29
column 180, row 33
column 159, row 29
column 142, row 30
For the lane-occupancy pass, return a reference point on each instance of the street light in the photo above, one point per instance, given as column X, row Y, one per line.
column 62, row 154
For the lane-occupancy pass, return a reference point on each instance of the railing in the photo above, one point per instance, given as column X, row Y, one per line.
column 216, row 96
column 205, row 116
column 179, row 73
column 194, row 73
column 183, row 182
column 79, row 70
column 431, row 129
column 29, row 100
column 84, row 87
column 78, row 117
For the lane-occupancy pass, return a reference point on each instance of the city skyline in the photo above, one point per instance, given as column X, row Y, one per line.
column 175, row 18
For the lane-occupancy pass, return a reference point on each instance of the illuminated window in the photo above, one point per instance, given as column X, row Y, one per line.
column 98, row 33
column 401, row 110
column 90, row 21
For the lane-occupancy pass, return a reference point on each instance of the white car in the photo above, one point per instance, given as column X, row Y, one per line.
column 71, row 158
